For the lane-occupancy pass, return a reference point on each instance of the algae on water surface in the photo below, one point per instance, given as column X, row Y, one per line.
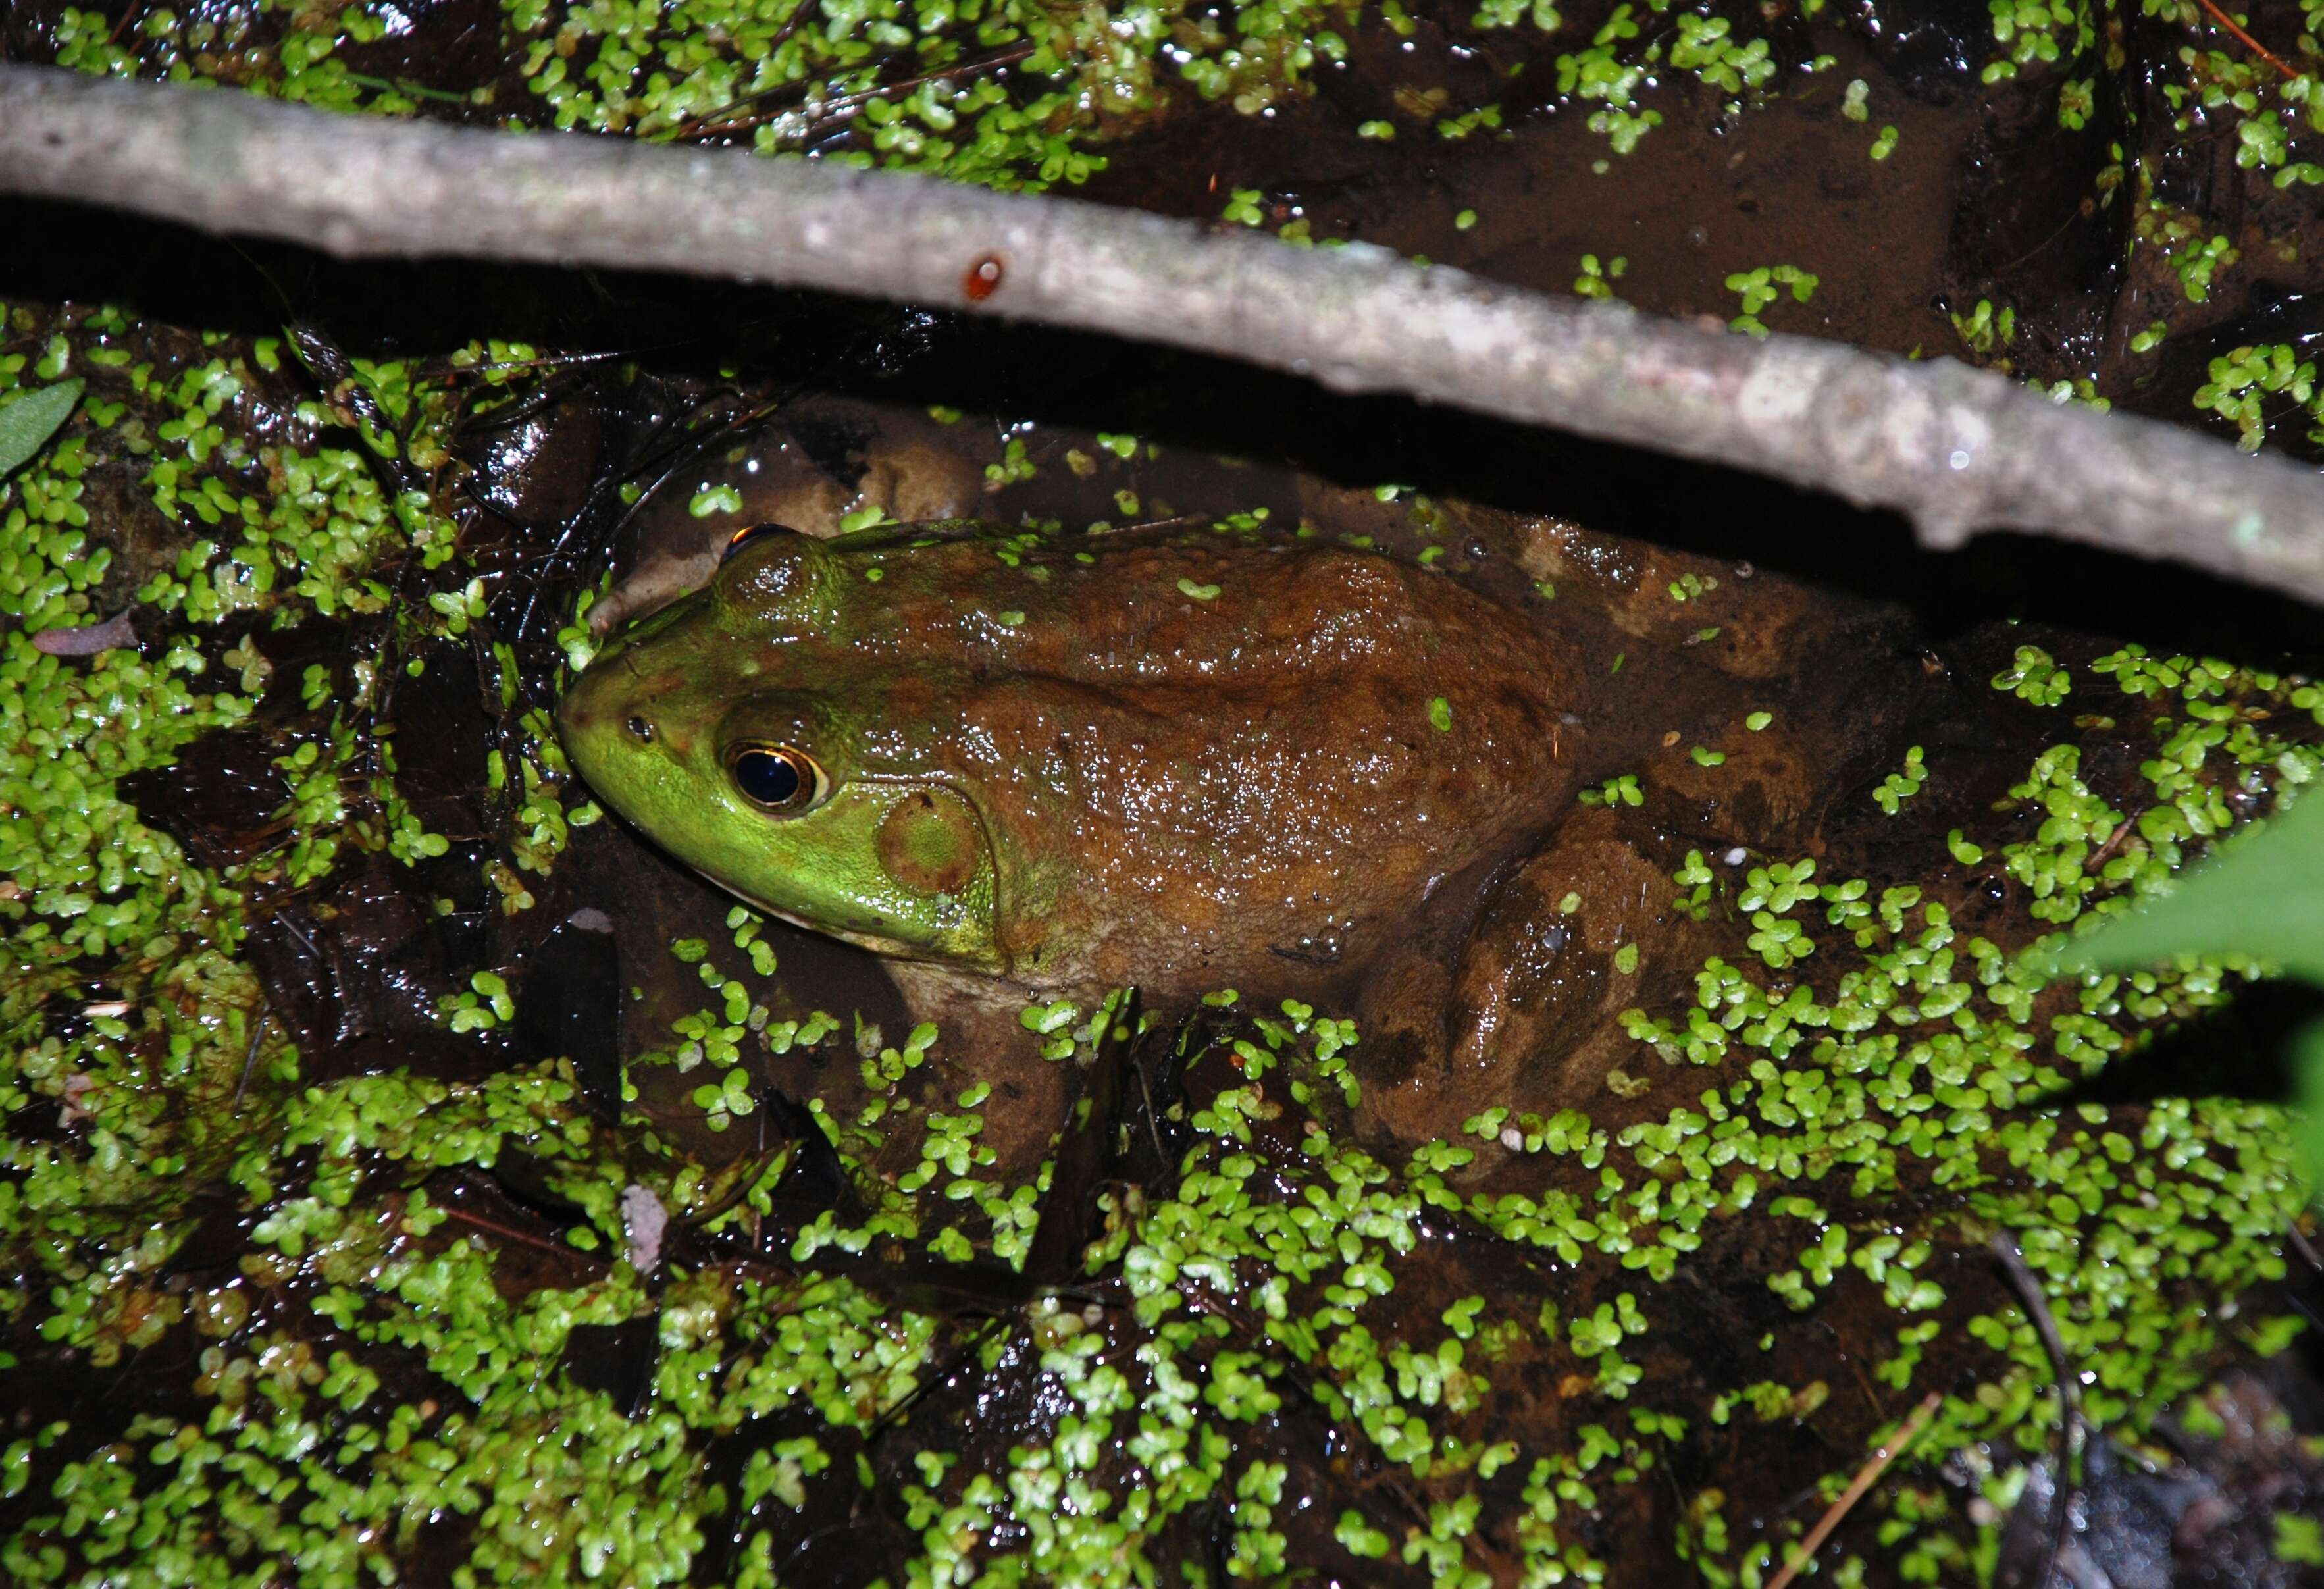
column 347, row 1305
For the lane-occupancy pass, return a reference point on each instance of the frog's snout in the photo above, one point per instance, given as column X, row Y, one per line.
column 577, row 713
column 592, row 711
column 610, row 709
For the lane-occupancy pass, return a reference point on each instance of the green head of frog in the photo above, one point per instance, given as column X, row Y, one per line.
column 734, row 727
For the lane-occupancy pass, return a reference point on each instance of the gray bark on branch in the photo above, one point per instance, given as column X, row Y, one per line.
column 1955, row 449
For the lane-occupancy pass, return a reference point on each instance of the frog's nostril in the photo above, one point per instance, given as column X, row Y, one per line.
column 643, row 729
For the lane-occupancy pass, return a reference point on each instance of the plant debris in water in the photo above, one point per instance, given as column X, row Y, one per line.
column 349, row 1260
column 415, row 1180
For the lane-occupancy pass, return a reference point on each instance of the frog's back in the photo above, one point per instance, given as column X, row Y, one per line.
column 1195, row 749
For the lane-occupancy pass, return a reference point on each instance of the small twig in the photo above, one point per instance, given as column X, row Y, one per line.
column 742, row 1188
column 1956, row 450
column 893, row 1413
column 2250, row 44
column 283, row 919
column 1866, row 1477
column 820, row 111
column 668, row 457
column 712, row 124
column 2066, row 1458
column 135, row 13
column 2104, row 852
column 250, row 1060
column 693, row 125
column 1153, row 1126
column 2045, row 1323
column 509, row 1232
column 406, row 85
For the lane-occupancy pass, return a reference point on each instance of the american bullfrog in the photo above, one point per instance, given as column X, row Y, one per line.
column 1032, row 767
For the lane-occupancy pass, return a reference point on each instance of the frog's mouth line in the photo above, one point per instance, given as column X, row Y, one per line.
column 887, row 949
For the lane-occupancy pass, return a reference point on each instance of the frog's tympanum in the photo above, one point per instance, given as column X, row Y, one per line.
column 1035, row 768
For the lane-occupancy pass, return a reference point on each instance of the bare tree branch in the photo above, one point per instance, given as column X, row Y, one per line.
column 1956, row 450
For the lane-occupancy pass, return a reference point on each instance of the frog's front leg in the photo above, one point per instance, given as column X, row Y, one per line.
column 981, row 1038
column 1525, row 1012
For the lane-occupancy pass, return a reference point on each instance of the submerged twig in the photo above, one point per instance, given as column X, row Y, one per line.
column 820, row 111
column 2071, row 1430
column 1886, row 1453
column 2304, row 1247
column 2250, row 44
column 509, row 1232
column 250, row 1060
column 1956, row 449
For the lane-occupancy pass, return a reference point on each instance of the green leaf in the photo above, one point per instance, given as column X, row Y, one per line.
column 2299, row 1539
column 2262, row 897
column 2308, row 1092
column 27, row 423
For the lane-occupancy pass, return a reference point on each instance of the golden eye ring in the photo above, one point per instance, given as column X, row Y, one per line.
column 779, row 780
column 748, row 533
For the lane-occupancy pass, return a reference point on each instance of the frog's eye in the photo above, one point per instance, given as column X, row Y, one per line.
column 778, row 778
column 748, row 533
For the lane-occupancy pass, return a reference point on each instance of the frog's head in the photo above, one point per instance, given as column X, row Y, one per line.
column 734, row 727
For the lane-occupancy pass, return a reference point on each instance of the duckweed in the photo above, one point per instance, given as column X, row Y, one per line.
column 2196, row 259
column 1597, row 281
column 382, row 1359
column 1899, row 787
column 2244, row 378
column 2033, row 676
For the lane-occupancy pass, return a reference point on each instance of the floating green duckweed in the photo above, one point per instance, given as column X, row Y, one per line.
column 2196, row 259
column 2039, row 32
column 1597, row 281
column 1761, row 287
column 1010, row 94
column 1899, row 787
column 1004, row 92
column 2243, row 378
column 1622, row 790
column 2033, row 676
column 1498, row 1325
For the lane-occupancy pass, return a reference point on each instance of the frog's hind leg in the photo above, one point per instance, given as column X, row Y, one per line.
column 1525, row 1011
